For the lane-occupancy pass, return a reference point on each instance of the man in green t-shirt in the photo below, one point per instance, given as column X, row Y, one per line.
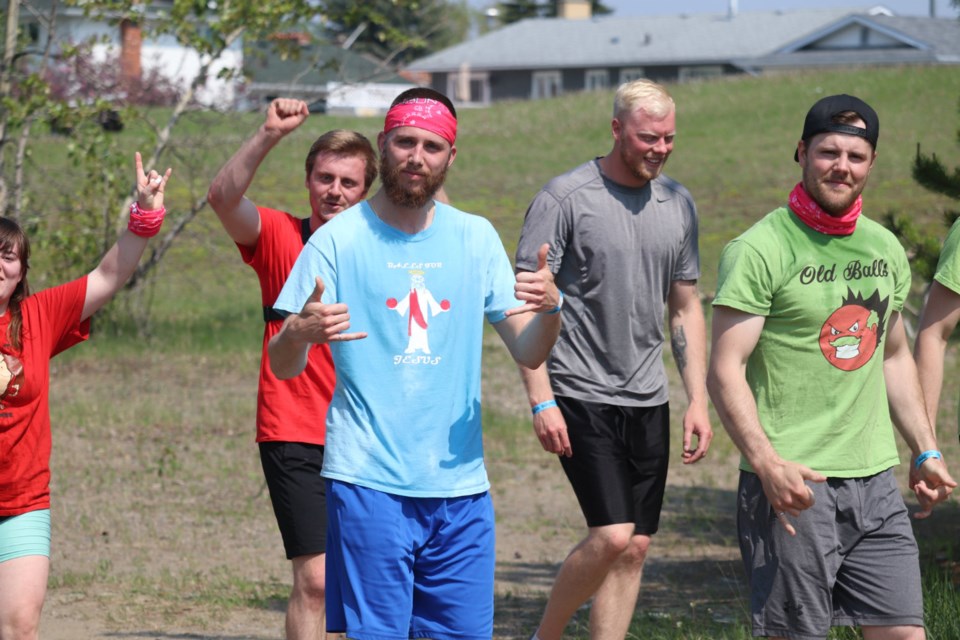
column 938, row 320
column 810, row 370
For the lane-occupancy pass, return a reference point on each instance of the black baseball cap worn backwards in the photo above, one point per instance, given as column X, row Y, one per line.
column 820, row 119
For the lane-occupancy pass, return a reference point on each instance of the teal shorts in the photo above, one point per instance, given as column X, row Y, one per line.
column 27, row 534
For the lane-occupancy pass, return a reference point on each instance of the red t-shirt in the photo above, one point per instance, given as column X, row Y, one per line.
column 51, row 324
column 292, row 410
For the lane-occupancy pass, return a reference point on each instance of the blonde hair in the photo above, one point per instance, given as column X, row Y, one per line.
column 642, row 94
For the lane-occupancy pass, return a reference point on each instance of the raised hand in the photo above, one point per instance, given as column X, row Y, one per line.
column 536, row 288
column 285, row 114
column 150, row 186
column 323, row 323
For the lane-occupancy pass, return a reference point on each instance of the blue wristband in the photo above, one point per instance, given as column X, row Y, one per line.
column 556, row 309
column 543, row 405
column 926, row 455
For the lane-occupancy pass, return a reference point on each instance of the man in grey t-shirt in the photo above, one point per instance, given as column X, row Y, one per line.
column 624, row 247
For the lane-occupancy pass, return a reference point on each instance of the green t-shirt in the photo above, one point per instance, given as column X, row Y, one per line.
column 817, row 369
column 948, row 269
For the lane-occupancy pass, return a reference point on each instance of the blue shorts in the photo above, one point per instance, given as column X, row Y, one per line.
column 27, row 534
column 401, row 567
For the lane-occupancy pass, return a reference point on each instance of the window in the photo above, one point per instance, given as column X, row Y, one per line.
column 596, row 80
column 546, row 84
column 469, row 88
column 631, row 74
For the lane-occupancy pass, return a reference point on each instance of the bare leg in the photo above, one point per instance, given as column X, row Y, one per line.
column 616, row 599
column 23, row 586
column 903, row 632
column 306, row 619
column 582, row 573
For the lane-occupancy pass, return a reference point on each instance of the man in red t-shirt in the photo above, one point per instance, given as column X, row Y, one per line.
column 291, row 414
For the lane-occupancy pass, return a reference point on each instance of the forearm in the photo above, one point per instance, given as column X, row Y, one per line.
column 930, row 350
column 735, row 404
column 537, row 384
column 905, row 398
column 530, row 337
column 234, row 178
column 688, row 342
column 115, row 268
column 287, row 352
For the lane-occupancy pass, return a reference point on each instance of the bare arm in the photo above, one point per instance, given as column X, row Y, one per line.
column 688, row 339
column 317, row 323
column 937, row 322
column 548, row 424
column 238, row 215
column 119, row 263
column 735, row 335
column 931, row 483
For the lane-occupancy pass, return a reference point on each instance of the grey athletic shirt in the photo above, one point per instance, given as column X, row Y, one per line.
column 614, row 251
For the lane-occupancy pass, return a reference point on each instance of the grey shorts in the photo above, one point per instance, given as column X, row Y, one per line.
column 853, row 562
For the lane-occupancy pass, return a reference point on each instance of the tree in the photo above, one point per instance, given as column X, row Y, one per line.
column 924, row 250
column 84, row 224
column 398, row 31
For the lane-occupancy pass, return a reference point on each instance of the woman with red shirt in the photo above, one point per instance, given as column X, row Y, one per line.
column 33, row 329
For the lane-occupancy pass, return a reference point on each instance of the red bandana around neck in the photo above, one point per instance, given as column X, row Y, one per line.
column 817, row 219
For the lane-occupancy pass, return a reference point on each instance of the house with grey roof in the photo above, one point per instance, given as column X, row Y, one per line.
column 545, row 57
column 329, row 78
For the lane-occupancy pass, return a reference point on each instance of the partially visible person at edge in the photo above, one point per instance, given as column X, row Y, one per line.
column 810, row 365
column 624, row 249
column 33, row 329
column 400, row 285
column 937, row 322
column 340, row 167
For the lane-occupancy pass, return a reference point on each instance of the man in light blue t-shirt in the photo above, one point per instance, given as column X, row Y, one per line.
column 399, row 286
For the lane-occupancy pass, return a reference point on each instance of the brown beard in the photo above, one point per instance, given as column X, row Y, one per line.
column 405, row 197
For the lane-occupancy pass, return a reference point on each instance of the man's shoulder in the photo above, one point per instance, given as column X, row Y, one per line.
column 565, row 184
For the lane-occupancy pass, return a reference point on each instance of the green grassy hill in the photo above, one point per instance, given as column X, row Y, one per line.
column 733, row 151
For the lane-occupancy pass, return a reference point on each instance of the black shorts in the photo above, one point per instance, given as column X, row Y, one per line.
column 618, row 469
column 298, row 494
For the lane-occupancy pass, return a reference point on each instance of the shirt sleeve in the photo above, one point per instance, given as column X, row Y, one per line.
column 744, row 280
column 316, row 259
column 542, row 223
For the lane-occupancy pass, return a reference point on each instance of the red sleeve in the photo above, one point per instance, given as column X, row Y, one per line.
column 60, row 308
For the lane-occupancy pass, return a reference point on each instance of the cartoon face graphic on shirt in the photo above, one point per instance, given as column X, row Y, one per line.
column 11, row 377
column 849, row 337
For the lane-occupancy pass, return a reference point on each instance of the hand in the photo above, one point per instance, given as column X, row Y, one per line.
column 696, row 422
column 786, row 490
column 931, row 483
column 536, row 288
column 284, row 115
column 551, row 430
column 150, row 186
column 321, row 323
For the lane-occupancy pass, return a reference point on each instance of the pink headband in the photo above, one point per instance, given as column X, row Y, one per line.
column 423, row 113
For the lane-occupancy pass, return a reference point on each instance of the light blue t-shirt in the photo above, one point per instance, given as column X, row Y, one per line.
column 405, row 414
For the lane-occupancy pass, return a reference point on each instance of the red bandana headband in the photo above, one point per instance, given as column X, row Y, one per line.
column 423, row 113
column 817, row 219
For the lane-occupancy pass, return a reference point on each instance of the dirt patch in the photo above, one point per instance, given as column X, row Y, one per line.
column 163, row 527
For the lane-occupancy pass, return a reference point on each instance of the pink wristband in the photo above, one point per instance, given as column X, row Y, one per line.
column 145, row 223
